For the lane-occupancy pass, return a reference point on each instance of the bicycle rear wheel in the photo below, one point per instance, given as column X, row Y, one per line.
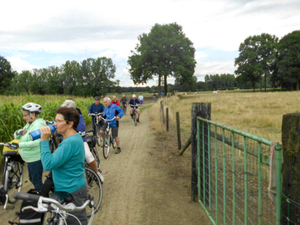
column 94, row 186
column 97, row 159
column 13, row 180
column 106, row 144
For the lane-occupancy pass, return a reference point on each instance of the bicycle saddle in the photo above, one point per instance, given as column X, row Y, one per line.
column 62, row 197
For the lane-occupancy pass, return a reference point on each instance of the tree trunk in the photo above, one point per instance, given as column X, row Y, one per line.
column 159, row 87
column 165, row 85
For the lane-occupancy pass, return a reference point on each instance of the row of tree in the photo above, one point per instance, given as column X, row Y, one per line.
column 265, row 58
column 88, row 78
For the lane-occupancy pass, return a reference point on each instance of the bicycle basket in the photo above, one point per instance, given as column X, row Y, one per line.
column 91, row 140
column 6, row 149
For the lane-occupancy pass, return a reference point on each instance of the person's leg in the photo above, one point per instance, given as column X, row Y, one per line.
column 79, row 197
column 35, row 170
column 115, row 136
column 131, row 112
column 139, row 113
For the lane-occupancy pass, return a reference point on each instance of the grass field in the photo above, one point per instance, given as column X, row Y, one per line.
column 257, row 113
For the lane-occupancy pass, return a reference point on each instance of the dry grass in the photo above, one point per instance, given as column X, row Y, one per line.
column 256, row 113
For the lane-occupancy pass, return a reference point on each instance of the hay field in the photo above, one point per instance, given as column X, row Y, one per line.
column 257, row 113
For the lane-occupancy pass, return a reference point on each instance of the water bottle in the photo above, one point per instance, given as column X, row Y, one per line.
column 37, row 133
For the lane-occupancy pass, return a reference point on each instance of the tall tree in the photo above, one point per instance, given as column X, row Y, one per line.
column 6, row 74
column 288, row 63
column 164, row 52
column 256, row 59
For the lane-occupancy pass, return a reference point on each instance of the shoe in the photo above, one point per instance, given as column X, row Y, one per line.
column 118, row 150
column 101, row 177
column 138, row 120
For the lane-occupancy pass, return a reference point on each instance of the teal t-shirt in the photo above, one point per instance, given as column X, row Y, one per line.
column 30, row 150
column 66, row 163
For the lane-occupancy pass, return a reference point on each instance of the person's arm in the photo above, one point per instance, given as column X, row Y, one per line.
column 90, row 109
column 58, row 158
column 81, row 124
column 118, row 103
column 120, row 112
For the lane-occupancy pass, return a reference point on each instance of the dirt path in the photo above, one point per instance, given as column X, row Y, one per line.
column 139, row 187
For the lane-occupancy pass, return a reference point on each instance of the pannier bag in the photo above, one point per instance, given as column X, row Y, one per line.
column 29, row 216
column 91, row 140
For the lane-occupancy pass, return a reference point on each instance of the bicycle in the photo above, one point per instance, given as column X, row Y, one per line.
column 91, row 141
column 56, row 211
column 134, row 114
column 97, row 126
column 124, row 107
column 108, row 138
column 12, row 174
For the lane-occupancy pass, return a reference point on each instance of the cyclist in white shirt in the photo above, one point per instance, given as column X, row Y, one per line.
column 141, row 99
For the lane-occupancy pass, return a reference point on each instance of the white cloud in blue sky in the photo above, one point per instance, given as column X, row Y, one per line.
column 37, row 34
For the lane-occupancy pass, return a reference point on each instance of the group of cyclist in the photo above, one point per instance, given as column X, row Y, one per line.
column 67, row 161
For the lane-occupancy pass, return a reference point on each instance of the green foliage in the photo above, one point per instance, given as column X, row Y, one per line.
column 6, row 74
column 288, row 60
column 256, row 59
column 91, row 77
column 164, row 52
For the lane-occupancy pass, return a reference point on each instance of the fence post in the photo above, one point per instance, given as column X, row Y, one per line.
column 198, row 110
column 162, row 110
column 291, row 167
column 178, row 130
column 167, row 118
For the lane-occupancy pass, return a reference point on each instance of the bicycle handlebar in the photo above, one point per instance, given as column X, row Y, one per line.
column 70, row 207
column 96, row 114
column 10, row 145
column 108, row 120
column 136, row 105
column 84, row 133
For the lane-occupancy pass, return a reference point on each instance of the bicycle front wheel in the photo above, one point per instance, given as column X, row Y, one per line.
column 13, row 180
column 106, row 144
column 94, row 186
column 97, row 159
column 98, row 136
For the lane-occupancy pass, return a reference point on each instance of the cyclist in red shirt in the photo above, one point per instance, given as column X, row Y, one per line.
column 115, row 101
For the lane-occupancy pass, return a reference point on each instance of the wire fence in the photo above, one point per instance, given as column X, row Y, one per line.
column 234, row 176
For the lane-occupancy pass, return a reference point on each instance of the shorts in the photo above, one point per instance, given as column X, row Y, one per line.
column 114, row 130
column 135, row 109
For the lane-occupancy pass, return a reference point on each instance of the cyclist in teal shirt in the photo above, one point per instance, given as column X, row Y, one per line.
column 67, row 161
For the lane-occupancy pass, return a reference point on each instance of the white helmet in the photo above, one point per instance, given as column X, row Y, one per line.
column 32, row 107
column 134, row 95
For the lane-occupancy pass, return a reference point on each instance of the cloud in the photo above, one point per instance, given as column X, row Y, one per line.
column 19, row 64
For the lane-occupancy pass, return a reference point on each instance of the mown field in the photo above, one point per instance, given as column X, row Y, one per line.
column 257, row 113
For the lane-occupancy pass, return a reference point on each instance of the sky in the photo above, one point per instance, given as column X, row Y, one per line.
column 39, row 34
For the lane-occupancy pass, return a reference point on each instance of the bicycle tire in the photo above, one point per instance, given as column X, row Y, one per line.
column 13, row 180
column 97, row 159
column 113, row 142
column 94, row 186
column 98, row 136
column 106, row 144
column 135, row 120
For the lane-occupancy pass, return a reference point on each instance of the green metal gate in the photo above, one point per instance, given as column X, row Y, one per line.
column 233, row 174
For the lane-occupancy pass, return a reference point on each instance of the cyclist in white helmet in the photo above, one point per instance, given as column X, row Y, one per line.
column 30, row 151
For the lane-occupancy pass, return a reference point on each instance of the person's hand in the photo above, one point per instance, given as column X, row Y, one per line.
column 24, row 132
column 89, row 114
column 45, row 133
column 117, row 118
column 99, row 117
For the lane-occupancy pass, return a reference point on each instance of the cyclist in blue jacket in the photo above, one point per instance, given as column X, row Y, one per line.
column 133, row 102
column 96, row 107
column 110, row 111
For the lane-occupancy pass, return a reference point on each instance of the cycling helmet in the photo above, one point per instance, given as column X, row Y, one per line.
column 134, row 95
column 32, row 107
